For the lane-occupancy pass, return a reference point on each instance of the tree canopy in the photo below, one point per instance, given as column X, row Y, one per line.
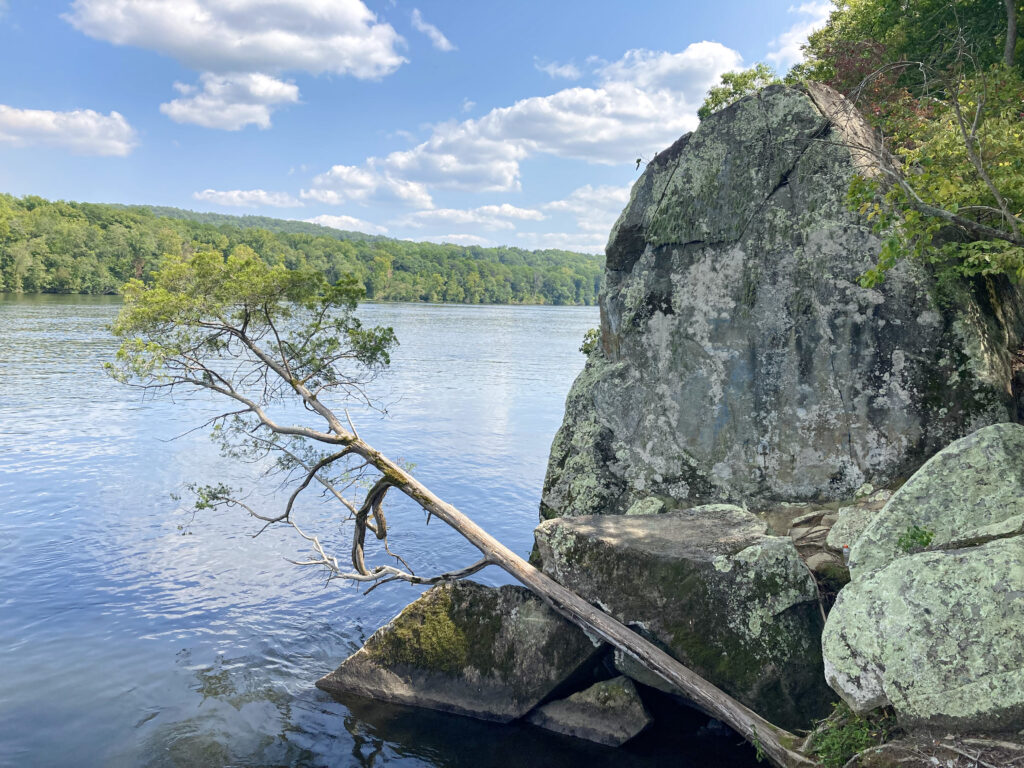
column 734, row 86
column 943, row 83
column 62, row 247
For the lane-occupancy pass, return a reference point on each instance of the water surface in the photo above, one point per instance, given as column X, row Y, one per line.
column 133, row 634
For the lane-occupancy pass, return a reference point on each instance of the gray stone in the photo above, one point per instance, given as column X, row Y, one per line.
column 609, row 712
column 740, row 359
column 970, row 492
column 822, row 562
column 737, row 606
column 491, row 653
column 850, row 525
column 938, row 635
column 649, row 506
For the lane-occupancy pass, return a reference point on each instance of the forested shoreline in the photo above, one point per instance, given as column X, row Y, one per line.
column 89, row 248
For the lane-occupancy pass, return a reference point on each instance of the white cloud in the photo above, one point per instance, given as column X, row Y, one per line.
column 230, row 102
column 640, row 104
column 225, row 36
column 567, row 71
column 350, row 223
column 595, row 208
column 247, row 198
column 566, row 241
column 344, row 183
column 467, row 105
column 457, row 240
column 487, row 216
column 83, row 131
column 786, row 47
column 437, row 37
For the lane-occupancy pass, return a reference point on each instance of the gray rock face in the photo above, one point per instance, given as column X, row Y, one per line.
column 970, row 492
column 938, row 635
column 609, row 712
column 741, row 359
column 490, row 653
column 737, row 606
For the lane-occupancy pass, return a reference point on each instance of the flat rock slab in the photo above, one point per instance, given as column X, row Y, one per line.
column 737, row 606
column 970, row 492
column 487, row 652
column 609, row 712
column 938, row 635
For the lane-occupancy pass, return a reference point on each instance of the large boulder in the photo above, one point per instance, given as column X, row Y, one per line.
column 937, row 635
column 737, row 606
column 491, row 653
column 741, row 359
column 970, row 492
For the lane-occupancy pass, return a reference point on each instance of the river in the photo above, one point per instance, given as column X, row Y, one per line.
column 134, row 634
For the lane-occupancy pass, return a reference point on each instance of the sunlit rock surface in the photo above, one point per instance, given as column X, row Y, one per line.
column 487, row 652
column 741, row 359
column 735, row 605
column 970, row 492
column 939, row 634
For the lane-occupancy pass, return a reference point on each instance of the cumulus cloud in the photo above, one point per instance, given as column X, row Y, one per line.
column 225, row 36
column 486, row 216
column 83, row 131
column 567, row 241
column 344, row 183
column 350, row 223
column 611, row 122
column 463, row 239
column 553, row 69
column 230, row 102
column 247, row 198
column 786, row 47
column 595, row 208
column 437, row 37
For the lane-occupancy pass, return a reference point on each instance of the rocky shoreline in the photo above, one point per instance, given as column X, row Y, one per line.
column 804, row 490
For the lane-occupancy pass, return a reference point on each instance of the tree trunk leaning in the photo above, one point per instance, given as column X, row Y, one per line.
column 775, row 743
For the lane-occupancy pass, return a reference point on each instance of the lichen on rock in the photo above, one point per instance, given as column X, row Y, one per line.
column 491, row 653
column 609, row 712
column 938, row 635
column 709, row 585
column 741, row 360
column 970, row 492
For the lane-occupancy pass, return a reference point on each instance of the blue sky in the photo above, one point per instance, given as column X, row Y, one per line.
column 494, row 122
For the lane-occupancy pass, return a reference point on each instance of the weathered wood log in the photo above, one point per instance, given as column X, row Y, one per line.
column 773, row 742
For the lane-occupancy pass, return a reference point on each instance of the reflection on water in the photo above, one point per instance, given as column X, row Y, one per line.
column 124, row 642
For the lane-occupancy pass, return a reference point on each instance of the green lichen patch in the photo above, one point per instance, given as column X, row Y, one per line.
column 939, row 635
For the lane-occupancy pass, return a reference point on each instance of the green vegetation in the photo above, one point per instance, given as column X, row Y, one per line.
column 736, row 85
column 843, row 734
column 591, row 340
column 915, row 538
column 943, row 83
column 61, row 247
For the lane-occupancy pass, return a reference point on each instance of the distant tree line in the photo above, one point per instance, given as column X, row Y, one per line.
column 62, row 247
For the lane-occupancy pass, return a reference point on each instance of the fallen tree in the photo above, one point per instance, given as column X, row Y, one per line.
column 262, row 337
